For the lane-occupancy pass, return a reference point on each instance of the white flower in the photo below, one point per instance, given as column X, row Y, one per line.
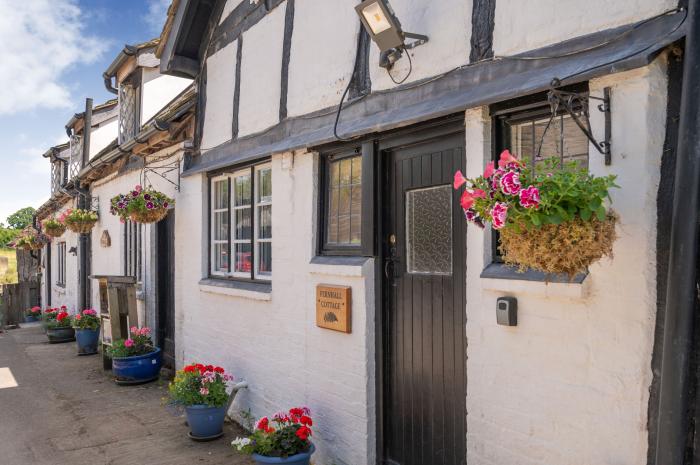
column 240, row 443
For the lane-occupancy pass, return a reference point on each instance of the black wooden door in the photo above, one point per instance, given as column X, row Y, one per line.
column 424, row 341
column 166, row 289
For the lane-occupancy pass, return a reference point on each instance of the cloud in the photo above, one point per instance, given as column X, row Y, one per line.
column 42, row 39
column 155, row 16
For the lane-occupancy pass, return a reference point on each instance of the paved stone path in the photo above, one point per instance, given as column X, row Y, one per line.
column 67, row 411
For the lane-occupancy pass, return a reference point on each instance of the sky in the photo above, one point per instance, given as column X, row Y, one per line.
column 53, row 56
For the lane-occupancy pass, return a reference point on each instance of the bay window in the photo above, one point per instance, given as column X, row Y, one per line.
column 241, row 224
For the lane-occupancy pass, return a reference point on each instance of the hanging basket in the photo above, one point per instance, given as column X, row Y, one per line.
column 148, row 216
column 80, row 227
column 55, row 231
column 569, row 248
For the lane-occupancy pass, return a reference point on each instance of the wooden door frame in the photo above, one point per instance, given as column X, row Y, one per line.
column 159, row 282
column 413, row 135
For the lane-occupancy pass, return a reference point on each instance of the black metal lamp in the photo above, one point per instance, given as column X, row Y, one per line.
column 385, row 30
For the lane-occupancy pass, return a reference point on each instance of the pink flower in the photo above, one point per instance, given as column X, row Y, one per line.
column 488, row 172
column 468, row 196
column 507, row 158
column 129, row 343
column 459, row 180
column 204, row 391
column 530, row 197
column 499, row 213
column 510, row 183
column 145, row 331
column 138, row 188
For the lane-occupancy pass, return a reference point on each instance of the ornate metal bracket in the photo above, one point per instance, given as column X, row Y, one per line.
column 576, row 105
column 162, row 171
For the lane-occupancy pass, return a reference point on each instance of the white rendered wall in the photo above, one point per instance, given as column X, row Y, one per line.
column 158, row 90
column 101, row 137
column 447, row 23
column 110, row 260
column 522, row 26
column 271, row 340
column 322, row 54
column 261, row 73
column 221, row 83
column 67, row 295
column 570, row 384
column 229, row 7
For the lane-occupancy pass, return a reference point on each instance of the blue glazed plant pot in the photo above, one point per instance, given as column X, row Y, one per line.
column 30, row 319
column 87, row 339
column 60, row 334
column 299, row 459
column 137, row 369
column 205, row 422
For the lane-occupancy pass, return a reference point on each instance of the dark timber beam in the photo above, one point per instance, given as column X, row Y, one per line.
column 483, row 22
column 237, row 89
column 681, row 295
column 286, row 55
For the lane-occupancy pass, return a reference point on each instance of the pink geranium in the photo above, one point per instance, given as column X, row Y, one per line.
column 510, row 183
column 530, row 197
column 499, row 214
column 490, row 169
column 506, row 159
column 129, row 343
column 459, row 180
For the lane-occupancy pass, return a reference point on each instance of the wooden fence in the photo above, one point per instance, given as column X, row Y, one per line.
column 15, row 299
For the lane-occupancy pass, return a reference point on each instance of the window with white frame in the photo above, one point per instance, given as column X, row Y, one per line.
column 133, row 243
column 241, row 224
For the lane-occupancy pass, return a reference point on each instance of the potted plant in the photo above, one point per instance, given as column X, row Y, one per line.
column 553, row 220
column 135, row 360
column 33, row 314
column 50, row 316
column 54, row 227
column 30, row 239
column 282, row 439
column 87, row 331
column 141, row 205
column 80, row 221
column 201, row 389
column 59, row 329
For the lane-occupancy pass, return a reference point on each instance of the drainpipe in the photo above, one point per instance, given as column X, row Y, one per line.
column 681, row 280
column 83, row 203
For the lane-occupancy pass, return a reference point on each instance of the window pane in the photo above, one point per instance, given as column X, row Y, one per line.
column 265, row 258
column 429, row 230
column 220, row 261
column 242, row 226
column 344, row 212
column 221, row 194
column 575, row 143
column 221, row 226
column 265, row 222
column 241, row 190
column 355, row 216
column 243, row 259
column 264, row 185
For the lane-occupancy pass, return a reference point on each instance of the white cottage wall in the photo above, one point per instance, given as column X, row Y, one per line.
column 570, row 383
column 158, row 90
column 261, row 73
column 271, row 339
column 521, row 26
column 221, row 84
column 102, row 136
column 447, row 23
column 322, row 54
column 65, row 295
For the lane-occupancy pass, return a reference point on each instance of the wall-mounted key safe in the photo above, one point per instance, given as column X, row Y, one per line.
column 507, row 311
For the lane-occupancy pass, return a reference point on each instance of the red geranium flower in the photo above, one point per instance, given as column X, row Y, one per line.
column 219, row 370
column 303, row 433
column 306, row 420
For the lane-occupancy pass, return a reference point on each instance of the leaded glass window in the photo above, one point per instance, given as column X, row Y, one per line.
column 429, row 230
column 344, row 206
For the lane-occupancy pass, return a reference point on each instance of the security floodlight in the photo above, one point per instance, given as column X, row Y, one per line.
column 384, row 28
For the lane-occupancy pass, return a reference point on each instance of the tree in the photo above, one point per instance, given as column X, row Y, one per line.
column 7, row 236
column 21, row 218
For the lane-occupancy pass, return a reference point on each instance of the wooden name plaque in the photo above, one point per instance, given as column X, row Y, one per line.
column 333, row 307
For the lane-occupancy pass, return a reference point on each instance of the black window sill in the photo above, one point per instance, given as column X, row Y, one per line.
column 263, row 287
column 501, row 271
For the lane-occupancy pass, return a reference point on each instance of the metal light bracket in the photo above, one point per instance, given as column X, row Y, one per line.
column 162, row 171
column 575, row 104
column 387, row 58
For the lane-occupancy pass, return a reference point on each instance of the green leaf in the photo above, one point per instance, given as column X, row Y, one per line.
column 586, row 214
column 555, row 218
column 600, row 213
column 595, row 203
column 536, row 220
